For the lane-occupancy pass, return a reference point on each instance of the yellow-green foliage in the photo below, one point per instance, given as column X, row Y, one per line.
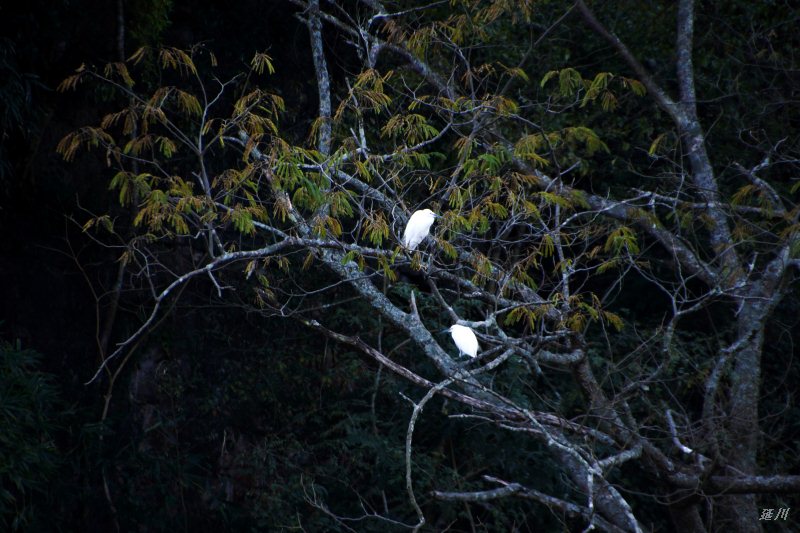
column 375, row 228
column 571, row 84
column 260, row 62
column 622, row 239
column 412, row 128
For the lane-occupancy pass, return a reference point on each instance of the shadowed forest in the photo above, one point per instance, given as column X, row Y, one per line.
column 209, row 320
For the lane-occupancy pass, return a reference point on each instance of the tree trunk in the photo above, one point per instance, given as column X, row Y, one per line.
column 739, row 512
column 686, row 518
column 743, row 416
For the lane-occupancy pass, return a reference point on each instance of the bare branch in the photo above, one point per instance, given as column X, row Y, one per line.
column 674, row 432
column 685, row 65
column 418, row 407
column 515, row 489
column 664, row 101
column 323, row 79
column 218, row 262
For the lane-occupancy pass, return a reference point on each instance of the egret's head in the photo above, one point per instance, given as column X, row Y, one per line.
column 430, row 213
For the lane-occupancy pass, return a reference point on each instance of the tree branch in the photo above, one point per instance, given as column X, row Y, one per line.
column 516, row 489
column 663, row 100
column 685, row 118
column 323, row 79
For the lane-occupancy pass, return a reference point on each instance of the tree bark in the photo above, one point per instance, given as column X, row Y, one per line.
column 686, row 517
column 739, row 513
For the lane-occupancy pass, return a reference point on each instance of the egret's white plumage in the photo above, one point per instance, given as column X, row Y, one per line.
column 465, row 340
column 417, row 228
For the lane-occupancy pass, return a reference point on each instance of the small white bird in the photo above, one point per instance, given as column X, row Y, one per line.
column 418, row 227
column 465, row 340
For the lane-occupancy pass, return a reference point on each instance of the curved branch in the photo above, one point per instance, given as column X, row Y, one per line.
column 662, row 98
column 218, row 262
column 409, row 436
column 515, row 489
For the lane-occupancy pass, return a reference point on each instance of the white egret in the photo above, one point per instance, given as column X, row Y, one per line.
column 465, row 340
column 418, row 227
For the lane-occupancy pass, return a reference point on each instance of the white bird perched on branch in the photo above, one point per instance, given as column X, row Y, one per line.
column 418, row 227
column 465, row 340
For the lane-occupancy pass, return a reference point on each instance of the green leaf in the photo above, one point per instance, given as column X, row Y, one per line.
column 261, row 61
column 654, row 146
column 242, row 220
column 547, row 77
column 622, row 238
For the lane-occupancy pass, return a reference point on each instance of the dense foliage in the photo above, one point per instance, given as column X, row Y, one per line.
column 29, row 414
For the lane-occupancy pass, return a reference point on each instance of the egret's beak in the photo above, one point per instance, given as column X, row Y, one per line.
column 445, row 330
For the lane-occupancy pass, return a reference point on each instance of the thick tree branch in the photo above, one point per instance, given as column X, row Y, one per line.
column 661, row 97
column 323, row 78
column 754, row 484
column 516, row 489
column 685, row 65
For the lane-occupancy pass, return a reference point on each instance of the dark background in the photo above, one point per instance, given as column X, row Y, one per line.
column 227, row 420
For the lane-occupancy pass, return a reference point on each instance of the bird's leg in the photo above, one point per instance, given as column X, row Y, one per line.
column 416, row 262
column 427, row 265
column 463, row 364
